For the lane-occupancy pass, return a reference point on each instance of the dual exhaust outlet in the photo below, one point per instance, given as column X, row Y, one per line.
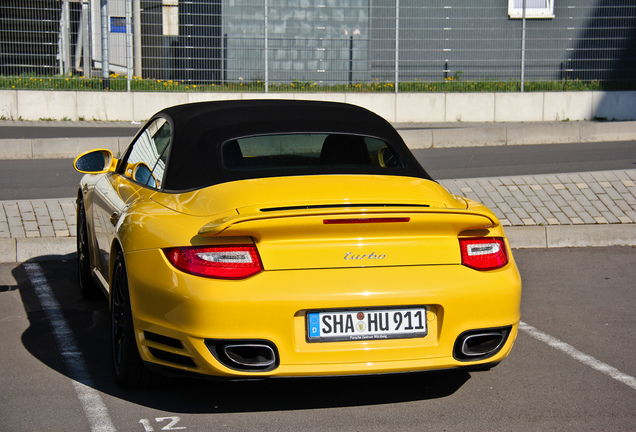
column 262, row 355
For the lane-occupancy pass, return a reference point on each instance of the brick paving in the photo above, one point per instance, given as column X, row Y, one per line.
column 588, row 198
column 37, row 218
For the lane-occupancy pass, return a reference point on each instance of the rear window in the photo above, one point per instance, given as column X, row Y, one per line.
column 266, row 152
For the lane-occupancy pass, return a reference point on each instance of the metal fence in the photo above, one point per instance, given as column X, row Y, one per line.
column 318, row 45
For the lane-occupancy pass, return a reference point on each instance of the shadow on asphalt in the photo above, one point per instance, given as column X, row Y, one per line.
column 89, row 323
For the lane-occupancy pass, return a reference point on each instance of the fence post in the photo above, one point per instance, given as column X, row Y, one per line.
column 64, row 40
column 397, row 44
column 129, row 44
column 523, row 44
column 351, row 59
column 266, row 53
column 137, row 37
column 86, row 47
column 105, row 64
column 224, row 77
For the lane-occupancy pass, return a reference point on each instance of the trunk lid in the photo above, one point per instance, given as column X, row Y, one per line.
column 342, row 221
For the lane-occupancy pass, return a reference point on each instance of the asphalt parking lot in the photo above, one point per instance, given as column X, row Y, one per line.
column 572, row 367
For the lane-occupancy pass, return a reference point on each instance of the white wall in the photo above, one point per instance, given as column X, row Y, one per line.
column 396, row 108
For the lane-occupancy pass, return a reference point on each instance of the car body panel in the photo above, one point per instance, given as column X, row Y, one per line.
column 336, row 241
column 247, row 196
column 273, row 306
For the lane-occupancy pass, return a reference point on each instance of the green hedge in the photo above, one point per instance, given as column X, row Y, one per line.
column 119, row 83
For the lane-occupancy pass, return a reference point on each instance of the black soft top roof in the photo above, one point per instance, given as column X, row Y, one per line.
column 199, row 130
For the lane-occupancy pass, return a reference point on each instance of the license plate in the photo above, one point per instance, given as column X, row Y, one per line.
column 347, row 325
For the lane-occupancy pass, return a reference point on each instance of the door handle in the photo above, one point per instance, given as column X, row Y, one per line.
column 114, row 218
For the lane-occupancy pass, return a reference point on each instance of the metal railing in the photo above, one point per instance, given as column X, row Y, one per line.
column 328, row 45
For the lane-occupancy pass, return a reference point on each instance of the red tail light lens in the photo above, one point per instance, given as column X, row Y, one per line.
column 486, row 253
column 219, row 262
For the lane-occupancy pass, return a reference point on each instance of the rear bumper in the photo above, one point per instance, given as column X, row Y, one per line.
column 272, row 307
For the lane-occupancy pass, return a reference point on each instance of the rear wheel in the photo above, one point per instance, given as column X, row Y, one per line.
column 130, row 371
column 88, row 286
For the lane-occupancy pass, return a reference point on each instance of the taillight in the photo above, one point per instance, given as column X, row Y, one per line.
column 220, row 262
column 485, row 253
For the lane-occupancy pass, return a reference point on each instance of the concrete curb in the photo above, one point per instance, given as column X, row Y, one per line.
column 15, row 250
column 416, row 136
column 562, row 236
column 502, row 134
column 532, row 237
column 58, row 148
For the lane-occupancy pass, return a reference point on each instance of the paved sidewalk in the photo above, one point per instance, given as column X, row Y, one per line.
column 558, row 210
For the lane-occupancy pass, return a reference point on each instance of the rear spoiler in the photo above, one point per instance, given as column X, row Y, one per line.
column 220, row 225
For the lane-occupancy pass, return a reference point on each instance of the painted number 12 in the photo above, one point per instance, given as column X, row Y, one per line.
column 170, row 424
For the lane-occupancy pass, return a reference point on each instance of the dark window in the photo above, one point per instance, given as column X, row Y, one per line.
column 316, row 150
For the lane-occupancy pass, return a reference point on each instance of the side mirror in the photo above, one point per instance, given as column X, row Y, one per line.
column 142, row 174
column 94, row 162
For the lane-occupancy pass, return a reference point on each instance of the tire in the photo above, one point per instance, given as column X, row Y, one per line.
column 129, row 370
column 88, row 286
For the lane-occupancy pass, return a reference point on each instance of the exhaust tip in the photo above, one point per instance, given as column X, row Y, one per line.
column 245, row 355
column 250, row 355
column 480, row 344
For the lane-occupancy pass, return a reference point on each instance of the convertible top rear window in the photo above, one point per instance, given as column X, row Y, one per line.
column 224, row 141
column 298, row 150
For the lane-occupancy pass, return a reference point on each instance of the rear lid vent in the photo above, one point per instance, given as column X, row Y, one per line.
column 339, row 206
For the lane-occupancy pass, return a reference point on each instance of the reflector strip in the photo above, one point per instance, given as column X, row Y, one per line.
column 482, row 249
column 364, row 220
column 243, row 257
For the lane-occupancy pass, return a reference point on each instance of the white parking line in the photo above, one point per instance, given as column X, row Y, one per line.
column 586, row 359
column 90, row 399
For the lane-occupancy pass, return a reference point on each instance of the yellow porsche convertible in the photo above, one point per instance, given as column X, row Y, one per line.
column 246, row 239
